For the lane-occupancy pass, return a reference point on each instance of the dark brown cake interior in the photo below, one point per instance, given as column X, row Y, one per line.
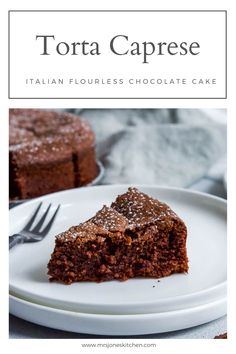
column 136, row 237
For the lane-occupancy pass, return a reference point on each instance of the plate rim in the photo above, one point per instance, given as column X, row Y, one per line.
column 125, row 185
column 117, row 319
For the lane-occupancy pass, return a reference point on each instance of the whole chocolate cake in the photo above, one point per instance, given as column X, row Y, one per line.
column 137, row 236
column 49, row 151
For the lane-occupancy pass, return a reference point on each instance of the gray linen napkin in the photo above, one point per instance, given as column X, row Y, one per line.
column 174, row 147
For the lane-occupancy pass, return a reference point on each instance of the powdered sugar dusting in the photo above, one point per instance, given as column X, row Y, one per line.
column 38, row 135
column 84, row 232
column 110, row 219
column 140, row 209
column 131, row 211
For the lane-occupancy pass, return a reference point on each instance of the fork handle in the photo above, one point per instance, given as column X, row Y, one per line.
column 15, row 240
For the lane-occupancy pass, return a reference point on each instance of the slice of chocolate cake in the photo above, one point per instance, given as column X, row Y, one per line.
column 137, row 236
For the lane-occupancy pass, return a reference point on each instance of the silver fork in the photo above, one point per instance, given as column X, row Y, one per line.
column 34, row 235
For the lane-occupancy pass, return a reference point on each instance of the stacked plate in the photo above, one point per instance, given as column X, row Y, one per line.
column 136, row 306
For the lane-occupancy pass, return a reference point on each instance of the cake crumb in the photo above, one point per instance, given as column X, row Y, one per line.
column 221, row 336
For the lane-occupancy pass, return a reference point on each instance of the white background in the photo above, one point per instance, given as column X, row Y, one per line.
column 163, row 346
column 26, row 61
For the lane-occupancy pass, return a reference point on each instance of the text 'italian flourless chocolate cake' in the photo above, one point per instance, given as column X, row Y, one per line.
column 137, row 236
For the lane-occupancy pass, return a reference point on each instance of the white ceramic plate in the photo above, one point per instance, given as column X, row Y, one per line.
column 205, row 217
column 116, row 325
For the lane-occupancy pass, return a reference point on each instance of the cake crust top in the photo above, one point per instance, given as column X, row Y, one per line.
column 110, row 220
column 50, row 132
column 141, row 210
column 131, row 211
